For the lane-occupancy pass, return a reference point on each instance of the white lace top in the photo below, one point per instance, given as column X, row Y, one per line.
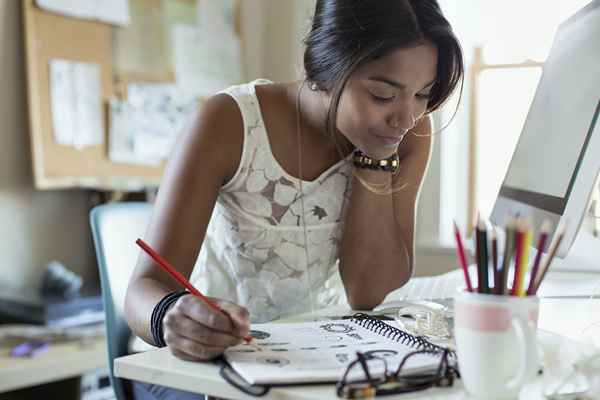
column 254, row 250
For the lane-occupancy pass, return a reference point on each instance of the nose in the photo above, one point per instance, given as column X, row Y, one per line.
column 395, row 123
column 403, row 117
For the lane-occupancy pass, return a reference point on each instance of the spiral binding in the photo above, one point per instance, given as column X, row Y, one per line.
column 397, row 335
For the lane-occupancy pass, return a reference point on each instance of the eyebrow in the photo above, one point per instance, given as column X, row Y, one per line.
column 397, row 84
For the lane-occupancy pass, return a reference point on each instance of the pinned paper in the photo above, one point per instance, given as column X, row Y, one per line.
column 75, row 97
column 110, row 11
column 205, row 61
column 143, row 129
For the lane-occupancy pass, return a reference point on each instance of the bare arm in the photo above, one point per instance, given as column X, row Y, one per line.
column 206, row 156
column 377, row 251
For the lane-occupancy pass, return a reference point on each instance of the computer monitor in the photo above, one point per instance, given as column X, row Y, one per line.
column 556, row 161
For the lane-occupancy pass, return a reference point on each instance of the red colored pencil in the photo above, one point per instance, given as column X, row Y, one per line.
column 495, row 267
column 536, row 263
column 544, row 268
column 460, row 252
column 180, row 278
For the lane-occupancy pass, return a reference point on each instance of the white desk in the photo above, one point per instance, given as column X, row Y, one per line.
column 562, row 316
column 61, row 361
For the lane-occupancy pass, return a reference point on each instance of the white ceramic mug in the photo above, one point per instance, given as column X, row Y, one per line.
column 495, row 343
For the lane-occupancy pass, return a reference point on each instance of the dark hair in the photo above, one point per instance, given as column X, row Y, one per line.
column 346, row 34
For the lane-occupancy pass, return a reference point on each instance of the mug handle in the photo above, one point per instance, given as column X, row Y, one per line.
column 527, row 348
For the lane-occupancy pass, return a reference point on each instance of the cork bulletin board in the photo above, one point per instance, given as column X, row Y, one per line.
column 50, row 36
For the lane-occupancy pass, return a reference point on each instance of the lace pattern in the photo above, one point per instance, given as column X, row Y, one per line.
column 253, row 252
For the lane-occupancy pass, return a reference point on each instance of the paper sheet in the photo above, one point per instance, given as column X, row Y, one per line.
column 217, row 16
column 77, row 117
column 144, row 129
column 205, row 61
column 177, row 12
column 110, row 11
column 144, row 46
column 141, row 47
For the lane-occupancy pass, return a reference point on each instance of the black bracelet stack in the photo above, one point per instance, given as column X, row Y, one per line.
column 158, row 313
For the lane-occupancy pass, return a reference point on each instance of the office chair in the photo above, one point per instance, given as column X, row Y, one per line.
column 115, row 227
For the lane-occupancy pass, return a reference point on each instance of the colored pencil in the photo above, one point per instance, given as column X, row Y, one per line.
column 509, row 250
column 496, row 272
column 181, row 279
column 483, row 257
column 462, row 259
column 544, row 268
column 477, row 257
column 527, row 239
column 518, row 257
column 544, row 230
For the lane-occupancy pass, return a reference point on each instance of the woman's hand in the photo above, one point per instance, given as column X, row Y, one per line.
column 195, row 331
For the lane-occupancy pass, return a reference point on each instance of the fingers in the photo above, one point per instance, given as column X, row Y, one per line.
column 195, row 309
column 197, row 332
column 190, row 329
column 239, row 317
column 191, row 350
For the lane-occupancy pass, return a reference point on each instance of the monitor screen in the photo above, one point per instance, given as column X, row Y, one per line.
column 553, row 167
column 561, row 118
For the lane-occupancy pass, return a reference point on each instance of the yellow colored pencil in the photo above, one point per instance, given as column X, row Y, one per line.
column 527, row 240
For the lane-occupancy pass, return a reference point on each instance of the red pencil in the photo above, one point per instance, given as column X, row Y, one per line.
column 544, row 268
column 536, row 263
column 518, row 258
column 496, row 271
column 180, row 278
column 460, row 252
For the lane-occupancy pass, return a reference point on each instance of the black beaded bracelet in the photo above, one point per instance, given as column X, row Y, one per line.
column 158, row 313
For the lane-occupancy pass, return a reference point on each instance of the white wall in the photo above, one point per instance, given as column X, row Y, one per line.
column 35, row 227
column 273, row 31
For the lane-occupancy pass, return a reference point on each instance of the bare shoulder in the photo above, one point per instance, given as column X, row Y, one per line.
column 216, row 135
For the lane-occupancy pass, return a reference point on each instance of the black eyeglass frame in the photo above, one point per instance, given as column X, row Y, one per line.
column 392, row 382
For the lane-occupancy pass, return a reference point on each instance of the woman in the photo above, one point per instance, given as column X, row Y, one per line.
column 278, row 186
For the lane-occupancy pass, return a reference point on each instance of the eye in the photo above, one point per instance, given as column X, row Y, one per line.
column 381, row 99
column 424, row 96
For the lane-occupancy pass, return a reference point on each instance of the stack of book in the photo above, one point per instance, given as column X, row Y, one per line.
column 30, row 307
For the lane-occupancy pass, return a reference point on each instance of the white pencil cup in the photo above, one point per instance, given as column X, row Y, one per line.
column 495, row 343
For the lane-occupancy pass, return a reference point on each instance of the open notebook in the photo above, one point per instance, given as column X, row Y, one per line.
column 319, row 351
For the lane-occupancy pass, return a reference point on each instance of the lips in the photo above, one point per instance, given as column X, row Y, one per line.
column 389, row 140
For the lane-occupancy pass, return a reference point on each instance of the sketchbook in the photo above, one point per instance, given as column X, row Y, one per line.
column 319, row 351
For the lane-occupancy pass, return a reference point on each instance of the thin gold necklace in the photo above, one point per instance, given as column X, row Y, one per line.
column 298, row 112
column 300, row 180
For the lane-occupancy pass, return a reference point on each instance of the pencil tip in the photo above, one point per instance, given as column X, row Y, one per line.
column 546, row 226
column 481, row 223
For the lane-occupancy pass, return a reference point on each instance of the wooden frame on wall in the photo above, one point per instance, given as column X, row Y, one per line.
column 477, row 67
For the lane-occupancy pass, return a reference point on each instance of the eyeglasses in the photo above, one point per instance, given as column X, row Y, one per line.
column 375, row 378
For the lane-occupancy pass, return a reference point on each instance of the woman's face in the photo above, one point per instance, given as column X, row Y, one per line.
column 384, row 99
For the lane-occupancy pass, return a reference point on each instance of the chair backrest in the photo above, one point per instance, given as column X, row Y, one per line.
column 115, row 227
